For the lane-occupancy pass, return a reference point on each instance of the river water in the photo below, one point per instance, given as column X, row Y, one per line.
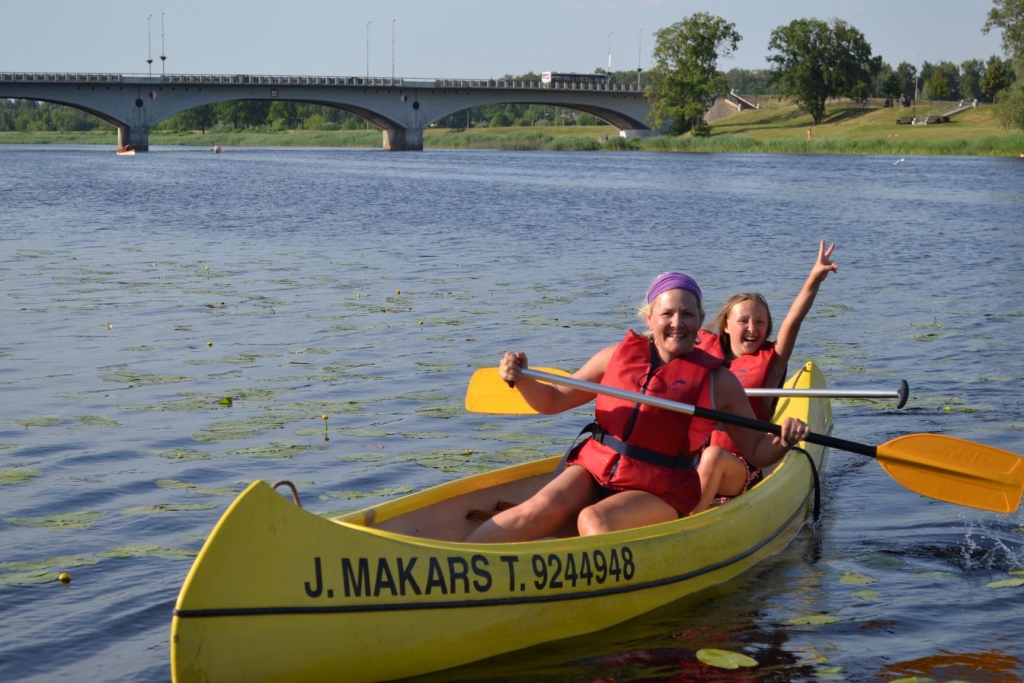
column 139, row 293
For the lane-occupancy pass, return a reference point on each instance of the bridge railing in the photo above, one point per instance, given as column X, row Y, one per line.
column 59, row 78
column 248, row 79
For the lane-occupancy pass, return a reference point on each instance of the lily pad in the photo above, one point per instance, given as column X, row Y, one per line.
column 16, row 476
column 426, row 435
column 1017, row 571
column 425, row 396
column 275, row 450
column 127, row 551
column 174, row 484
column 363, row 457
column 915, row 679
column 865, row 594
column 365, row 433
column 936, row 575
column 91, row 421
column 724, row 659
column 66, row 520
column 880, row 560
column 45, row 421
column 64, row 562
column 829, row 673
column 1006, row 583
column 144, row 347
column 171, row 507
column 814, row 620
column 353, row 495
column 142, row 379
column 442, row 411
column 186, row 454
column 855, row 578
column 26, row 578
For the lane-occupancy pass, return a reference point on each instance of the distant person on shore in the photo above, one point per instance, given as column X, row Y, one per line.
column 808, row 133
column 740, row 338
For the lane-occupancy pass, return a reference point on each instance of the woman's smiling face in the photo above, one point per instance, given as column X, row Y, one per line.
column 674, row 319
column 747, row 327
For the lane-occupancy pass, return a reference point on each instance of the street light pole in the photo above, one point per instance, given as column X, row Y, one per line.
column 149, row 54
column 610, row 50
column 368, row 49
column 392, row 50
column 163, row 55
column 639, row 58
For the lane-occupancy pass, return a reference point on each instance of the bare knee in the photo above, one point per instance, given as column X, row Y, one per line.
column 591, row 521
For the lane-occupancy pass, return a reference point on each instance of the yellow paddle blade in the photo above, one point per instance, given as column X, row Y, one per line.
column 956, row 471
column 489, row 393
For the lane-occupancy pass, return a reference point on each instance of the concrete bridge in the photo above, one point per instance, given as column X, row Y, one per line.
column 402, row 108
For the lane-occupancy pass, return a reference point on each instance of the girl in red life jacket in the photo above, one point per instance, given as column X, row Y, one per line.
column 744, row 325
column 639, row 466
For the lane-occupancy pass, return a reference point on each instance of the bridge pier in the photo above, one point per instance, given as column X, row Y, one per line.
column 136, row 136
column 403, row 140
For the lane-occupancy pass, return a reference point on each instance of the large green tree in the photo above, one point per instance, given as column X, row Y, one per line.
column 1008, row 15
column 815, row 60
column 685, row 80
column 995, row 79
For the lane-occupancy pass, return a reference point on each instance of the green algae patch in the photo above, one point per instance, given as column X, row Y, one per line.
column 64, row 562
column 489, row 427
column 275, row 450
column 239, row 359
column 9, row 477
column 126, row 551
column 521, row 437
column 354, row 495
column 865, row 594
column 430, row 366
column 28, row 578
column 44, row 421
column 724, row 659
column 235, row 430
column 855, row 578
column 142, row 379
column 66, row 520
column 424, row 396
column 93, row 421
column 171, row 507
column 813, row 620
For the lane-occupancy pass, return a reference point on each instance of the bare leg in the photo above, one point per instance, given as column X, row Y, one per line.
column 543, row 514
column 625, row 510
column 721, row 473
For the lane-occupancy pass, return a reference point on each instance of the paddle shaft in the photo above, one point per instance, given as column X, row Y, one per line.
column 696, row 411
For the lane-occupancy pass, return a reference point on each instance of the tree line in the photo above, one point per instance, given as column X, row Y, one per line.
column 810, row 61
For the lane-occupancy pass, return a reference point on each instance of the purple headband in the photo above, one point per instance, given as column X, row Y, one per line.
column 668, row 281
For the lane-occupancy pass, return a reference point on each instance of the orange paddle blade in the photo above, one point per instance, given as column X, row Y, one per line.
column 489, row 393
column 956, row 471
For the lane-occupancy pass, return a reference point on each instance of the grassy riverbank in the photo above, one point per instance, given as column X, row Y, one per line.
column 777, row 127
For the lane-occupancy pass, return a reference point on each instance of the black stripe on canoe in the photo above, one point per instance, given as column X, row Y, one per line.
column 265, row 611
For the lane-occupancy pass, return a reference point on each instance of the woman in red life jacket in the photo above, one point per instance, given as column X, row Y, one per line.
column 743, row 327
column 638, row 467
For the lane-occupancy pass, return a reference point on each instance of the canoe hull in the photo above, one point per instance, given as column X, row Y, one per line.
column 278, row 593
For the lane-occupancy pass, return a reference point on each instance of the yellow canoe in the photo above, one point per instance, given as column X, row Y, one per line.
column 280, row 594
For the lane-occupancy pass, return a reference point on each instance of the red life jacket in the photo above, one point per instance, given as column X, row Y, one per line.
column 650, row 449
column 752, row 371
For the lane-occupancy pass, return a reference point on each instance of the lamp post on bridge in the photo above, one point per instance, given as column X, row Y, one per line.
column 610, row 50
column 149, row 31
column 392, row 50
column 639, row 58
column 163, row 56
column 368, row 49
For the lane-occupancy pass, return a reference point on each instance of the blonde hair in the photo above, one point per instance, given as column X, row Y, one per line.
column 718, row 325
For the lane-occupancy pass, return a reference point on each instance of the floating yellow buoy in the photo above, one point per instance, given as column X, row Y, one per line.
column 64, row 577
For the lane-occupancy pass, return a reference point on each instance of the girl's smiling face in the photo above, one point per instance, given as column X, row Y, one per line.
column 674, row 319
column 747, row 327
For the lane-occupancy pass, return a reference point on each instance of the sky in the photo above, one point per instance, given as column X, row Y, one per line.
column 443, row 38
